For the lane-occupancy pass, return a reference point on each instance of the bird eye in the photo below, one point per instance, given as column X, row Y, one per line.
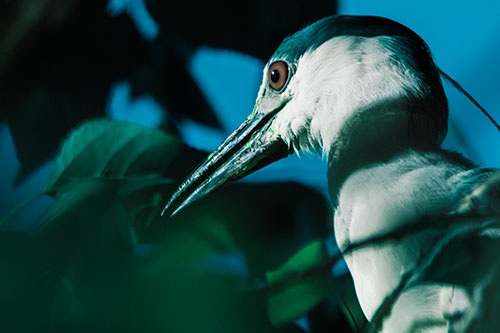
column 278, row 75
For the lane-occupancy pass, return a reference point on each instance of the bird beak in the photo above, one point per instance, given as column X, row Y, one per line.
column 251, row 147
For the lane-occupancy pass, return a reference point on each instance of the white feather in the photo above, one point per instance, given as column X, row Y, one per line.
column 348, row 100
column 334, row 82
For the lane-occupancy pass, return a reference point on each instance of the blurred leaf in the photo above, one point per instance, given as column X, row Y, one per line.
column 252, row 27
column 256, row 220
column 293, row 296
column 350, row 306
column 58, row 63
column 99, row 284
column 175, row 298
column 60, row 69
column 19, row 207
column 302, row 261
column 171, row 289
column 56, row 73
column 26, row 283
column 87, row 219
column 266, row 221
column 59, row 59
column 170, row 82
column 22, row 17
column 111, row 148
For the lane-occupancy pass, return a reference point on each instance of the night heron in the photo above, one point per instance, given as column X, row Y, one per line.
column 365, row 93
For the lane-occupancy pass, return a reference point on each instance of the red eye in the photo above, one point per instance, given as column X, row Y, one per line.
column 278, row 75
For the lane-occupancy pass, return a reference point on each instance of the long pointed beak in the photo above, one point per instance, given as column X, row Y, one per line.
column 246, row 150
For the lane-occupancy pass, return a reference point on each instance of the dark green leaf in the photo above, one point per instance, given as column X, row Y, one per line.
column 111, row 148
column 296, row 289
column 87, row 218
column 349, row 305
column 26, row 283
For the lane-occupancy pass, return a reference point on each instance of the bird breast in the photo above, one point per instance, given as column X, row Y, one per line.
column 380, row 197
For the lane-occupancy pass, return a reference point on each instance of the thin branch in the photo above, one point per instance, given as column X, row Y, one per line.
column 469, row 96
column 442, row 223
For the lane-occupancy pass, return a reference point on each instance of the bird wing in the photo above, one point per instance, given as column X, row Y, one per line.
column 484, row 199
column 471, row 260
column 462, row 279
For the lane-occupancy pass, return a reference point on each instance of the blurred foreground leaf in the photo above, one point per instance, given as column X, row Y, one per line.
column 87, row 219
column 111, row 263
column 349, row 305
column 26, row 283
column 60, row 58
column 59, row 61
column 252, row 27
column 296, row 287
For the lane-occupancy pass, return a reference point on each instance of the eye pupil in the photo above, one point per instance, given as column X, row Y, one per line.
column 275, row 76
column 278, row 75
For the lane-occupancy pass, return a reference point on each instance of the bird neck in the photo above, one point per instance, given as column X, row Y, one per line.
column 374, row 138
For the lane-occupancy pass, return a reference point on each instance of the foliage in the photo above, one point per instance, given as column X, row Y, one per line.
column 60, row 58
column 117, row 149
column 291, row 298
column 102, row 258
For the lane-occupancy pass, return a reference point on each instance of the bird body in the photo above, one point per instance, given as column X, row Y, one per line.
column 365, row 93
column 381, row 197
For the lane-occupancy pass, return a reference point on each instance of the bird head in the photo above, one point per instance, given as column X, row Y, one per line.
column 338, row 84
